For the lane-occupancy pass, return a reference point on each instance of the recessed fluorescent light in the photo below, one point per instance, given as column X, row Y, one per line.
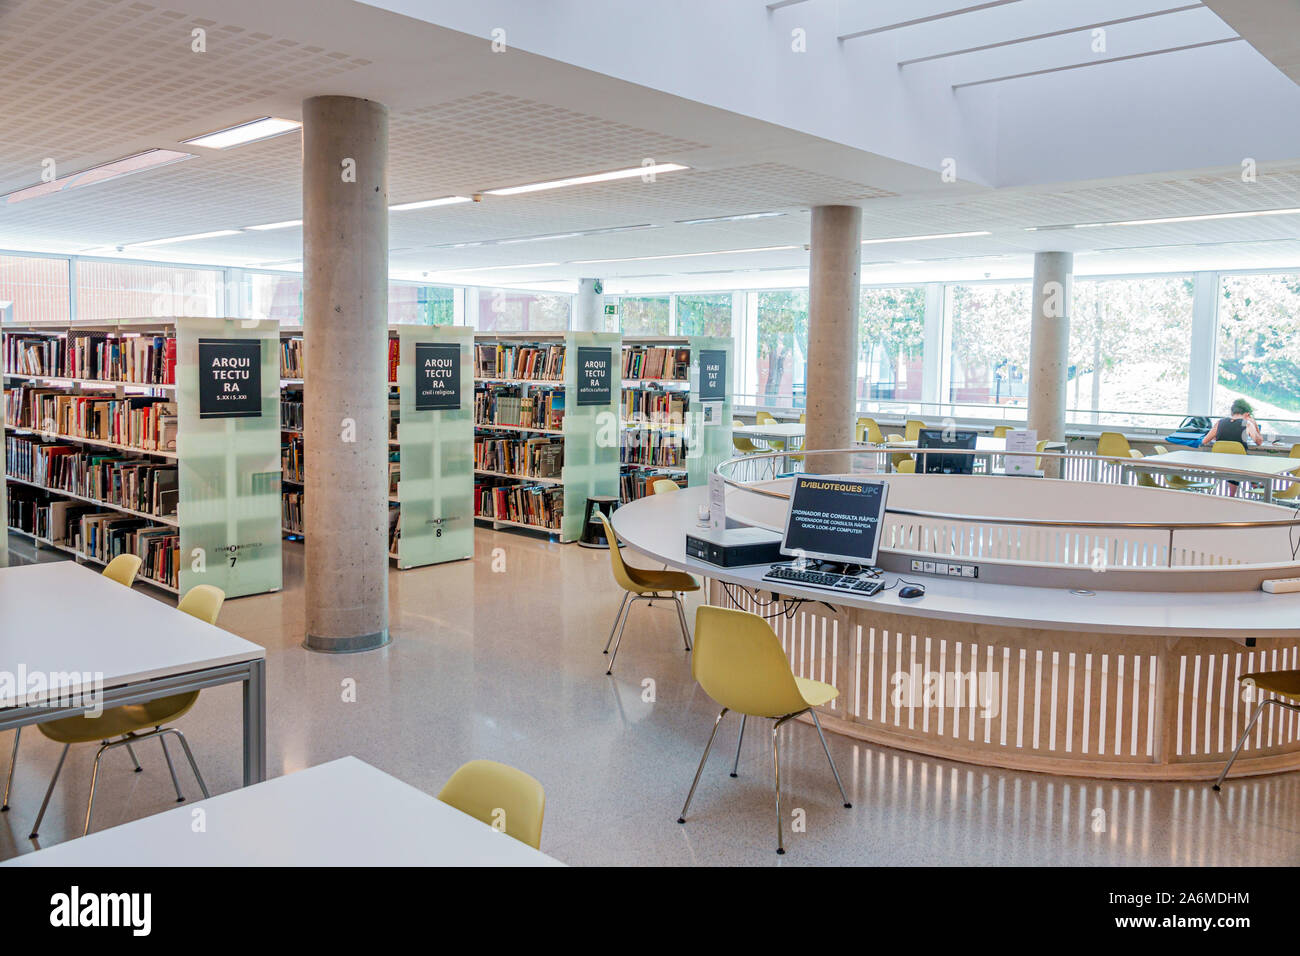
column 594, row 178
column 197, row 235
column 149, row 159
column 944, row 235
column 556, row 235
column 427, row 203
column 748, row 215
column 249, row 132
column 276, row 225
column 685, row 255
column 529, row 265
column 1169, row 219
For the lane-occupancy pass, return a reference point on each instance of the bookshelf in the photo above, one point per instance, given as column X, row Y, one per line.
column 675, row 412
column 430, row 469
column 151, row 436
column 546, row 428
column 434, row 440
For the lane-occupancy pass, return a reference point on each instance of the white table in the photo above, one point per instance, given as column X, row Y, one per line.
column 1219, row 465
column 341, row 813
column 62, row 618
column 787, row 432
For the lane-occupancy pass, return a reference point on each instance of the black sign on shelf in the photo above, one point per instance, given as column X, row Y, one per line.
column 437, row 376
column 713, row 375
column 230, row 378
column 595, row 375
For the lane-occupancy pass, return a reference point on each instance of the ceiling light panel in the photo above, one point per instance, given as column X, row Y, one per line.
column 655, row 169
column 137, row 163
column 251, row 132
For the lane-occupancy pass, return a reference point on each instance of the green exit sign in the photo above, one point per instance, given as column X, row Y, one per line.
column 611, row 309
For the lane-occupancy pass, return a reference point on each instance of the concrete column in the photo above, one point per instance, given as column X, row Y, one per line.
column 345, row 316
column 1049, row 344
column 834, row 279
column 589, row 306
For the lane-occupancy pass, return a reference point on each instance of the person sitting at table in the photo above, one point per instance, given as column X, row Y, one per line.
column 1240, row 427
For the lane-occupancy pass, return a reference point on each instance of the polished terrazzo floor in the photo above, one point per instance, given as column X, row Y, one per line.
column 507, row 664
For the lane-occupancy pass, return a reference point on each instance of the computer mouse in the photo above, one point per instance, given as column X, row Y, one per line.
column 911, row 591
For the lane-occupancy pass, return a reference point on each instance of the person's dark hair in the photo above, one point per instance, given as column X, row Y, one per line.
column 1241, row 407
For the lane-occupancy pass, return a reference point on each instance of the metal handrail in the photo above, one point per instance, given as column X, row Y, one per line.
column 1169, row 526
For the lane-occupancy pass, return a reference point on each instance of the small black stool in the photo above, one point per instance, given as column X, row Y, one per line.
column 593, row 534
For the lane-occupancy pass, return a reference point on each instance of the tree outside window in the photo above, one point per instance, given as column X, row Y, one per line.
column 644, row 315
column 704, row 314
column 891, row 335
column 782, row 347
column 1259, row 345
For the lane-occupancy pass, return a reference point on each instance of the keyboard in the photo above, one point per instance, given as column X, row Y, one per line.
column 853, row 584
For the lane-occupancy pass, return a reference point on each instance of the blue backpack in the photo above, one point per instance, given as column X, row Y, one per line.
column 1192, row 431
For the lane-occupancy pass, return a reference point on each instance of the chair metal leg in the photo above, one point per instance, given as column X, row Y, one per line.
column 94, row 779
column 619, row 640
column 189, row 755
column 36, row 829
column 162, row 739
column 776, row 766
column 617, row 617
column 131, row 751
column 739, row 740
column 700, row 769
column 13, row 762
column 681, row 616
column 818, row 724
column 1242, row 742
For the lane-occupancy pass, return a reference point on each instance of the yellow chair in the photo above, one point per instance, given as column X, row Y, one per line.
column 1286, row 684
column 740, row 664
column 664, row 486
column 901, row 458
column 500, row 796
column 906, row 467
column 767, row 418
column 1038, row 462
column 1113, row 445
column 741, row 443
column 866, row 429
column 1228, row 448
column 1001, row 431
column 131, row 721
column 1178, row 482
column 122, row 569
column 912, row 429
column 643, row 584
column 1292, row 490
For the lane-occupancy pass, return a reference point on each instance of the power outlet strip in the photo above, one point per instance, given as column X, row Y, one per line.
column 1281, row 585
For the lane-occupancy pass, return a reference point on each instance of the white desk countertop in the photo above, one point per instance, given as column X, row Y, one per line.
column 1212, row 461
column 341, row 813
column 657, row 526
column 61, row 617
column 770, row 430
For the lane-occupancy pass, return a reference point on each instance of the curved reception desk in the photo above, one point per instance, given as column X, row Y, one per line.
column 1080, row 649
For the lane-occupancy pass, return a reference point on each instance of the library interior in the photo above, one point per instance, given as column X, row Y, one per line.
column 910, row 376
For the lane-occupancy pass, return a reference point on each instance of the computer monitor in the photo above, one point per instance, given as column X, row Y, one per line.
column 946, row 464
column 835, row 519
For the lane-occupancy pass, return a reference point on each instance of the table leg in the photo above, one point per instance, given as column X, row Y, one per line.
column 255, row 723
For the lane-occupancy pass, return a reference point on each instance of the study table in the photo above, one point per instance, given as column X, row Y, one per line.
column 91, row 636
column 341, row 813
column 1081, row 678
column 1218, row 465
column 787, row 432
column 989, row 447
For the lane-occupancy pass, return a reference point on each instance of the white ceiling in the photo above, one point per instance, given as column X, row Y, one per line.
column 88, row 81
